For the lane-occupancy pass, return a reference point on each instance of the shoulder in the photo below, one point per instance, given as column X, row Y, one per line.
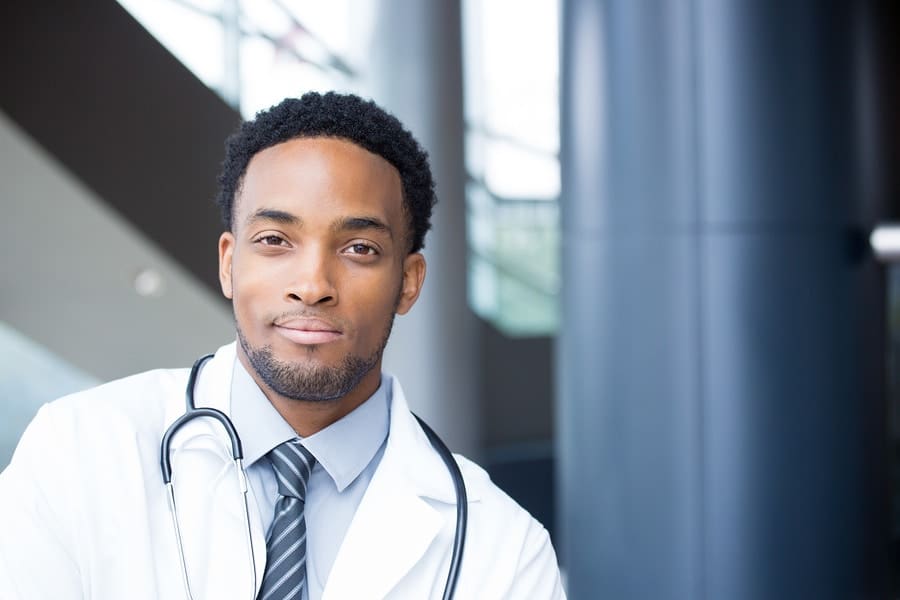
column 128, row 389
column 136, row 402
column 514, row 552
column 507, row 553
column 487, row 497
column 421, row 465
column 108, row 430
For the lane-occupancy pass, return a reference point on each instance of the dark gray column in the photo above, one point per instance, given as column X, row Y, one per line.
column 720, row 356
column 629, row 427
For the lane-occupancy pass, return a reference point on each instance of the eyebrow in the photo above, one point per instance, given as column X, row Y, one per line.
column 341, row 225
column 361, row 224
column 270, row 214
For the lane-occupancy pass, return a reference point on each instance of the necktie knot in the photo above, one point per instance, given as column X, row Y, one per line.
column 293, row 464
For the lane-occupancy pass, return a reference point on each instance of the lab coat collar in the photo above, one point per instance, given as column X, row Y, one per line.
column 409, row 446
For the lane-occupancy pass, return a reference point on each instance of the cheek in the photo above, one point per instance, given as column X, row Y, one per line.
column 382, row 305
column 249, row 288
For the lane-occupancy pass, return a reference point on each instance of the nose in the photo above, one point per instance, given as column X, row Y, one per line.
column 311, row 282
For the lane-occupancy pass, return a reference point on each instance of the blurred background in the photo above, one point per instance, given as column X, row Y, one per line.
column 655, row 309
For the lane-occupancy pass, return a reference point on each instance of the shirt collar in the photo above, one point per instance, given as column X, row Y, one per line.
column 344, row 448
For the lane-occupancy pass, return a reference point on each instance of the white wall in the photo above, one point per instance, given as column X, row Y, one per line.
column 67, row 277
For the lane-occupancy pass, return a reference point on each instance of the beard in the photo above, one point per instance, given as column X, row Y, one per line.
column 312, row 383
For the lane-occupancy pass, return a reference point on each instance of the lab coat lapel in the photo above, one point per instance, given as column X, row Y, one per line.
column 394, row 525
column 210, row 505
column 390, row 532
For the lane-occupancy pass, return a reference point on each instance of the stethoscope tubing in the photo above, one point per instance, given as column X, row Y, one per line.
column 192, row 412
column 462, row 507
column 237, row 453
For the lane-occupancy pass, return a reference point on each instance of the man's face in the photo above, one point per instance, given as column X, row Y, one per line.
column 317, row 265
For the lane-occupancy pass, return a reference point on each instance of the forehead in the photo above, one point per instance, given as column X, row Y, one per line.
column 310, row 175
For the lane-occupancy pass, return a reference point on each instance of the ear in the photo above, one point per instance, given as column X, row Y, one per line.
column 226, row 251
column 413, row 277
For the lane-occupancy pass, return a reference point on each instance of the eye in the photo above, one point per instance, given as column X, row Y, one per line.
column 362, row 249
column 270, row 240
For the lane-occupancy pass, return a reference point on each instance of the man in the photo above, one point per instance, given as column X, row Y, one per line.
column 326, row 201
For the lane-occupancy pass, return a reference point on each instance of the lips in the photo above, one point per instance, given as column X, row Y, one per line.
column 307, row 330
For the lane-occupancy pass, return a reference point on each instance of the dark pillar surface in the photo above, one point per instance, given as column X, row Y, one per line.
column 721, row 354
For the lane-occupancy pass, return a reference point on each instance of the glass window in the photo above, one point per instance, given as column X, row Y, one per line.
column 254, row 53
column 512, row 159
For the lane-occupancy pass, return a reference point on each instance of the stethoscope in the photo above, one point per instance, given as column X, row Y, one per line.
column 237, row 454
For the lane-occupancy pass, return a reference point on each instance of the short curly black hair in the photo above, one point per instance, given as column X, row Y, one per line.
column 333, row 115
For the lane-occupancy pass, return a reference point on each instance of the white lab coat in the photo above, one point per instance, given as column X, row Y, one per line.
column 83, row 510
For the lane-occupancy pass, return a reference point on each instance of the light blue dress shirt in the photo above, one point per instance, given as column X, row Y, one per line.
column 347, row 453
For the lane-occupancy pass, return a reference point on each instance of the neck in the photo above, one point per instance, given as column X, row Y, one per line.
column 307, row 417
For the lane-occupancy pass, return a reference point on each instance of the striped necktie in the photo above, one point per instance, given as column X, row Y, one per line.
column 286, row 544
